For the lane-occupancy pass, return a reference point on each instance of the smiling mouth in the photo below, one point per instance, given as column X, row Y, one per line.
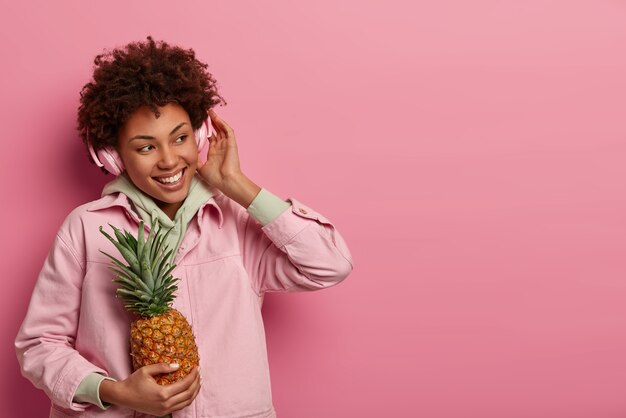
column 171, row 179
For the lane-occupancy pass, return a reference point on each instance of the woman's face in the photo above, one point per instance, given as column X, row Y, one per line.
column 160, row 155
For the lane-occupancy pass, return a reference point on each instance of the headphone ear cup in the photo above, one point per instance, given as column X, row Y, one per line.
column 202, row 136
column 107, row 158
column 111, row 161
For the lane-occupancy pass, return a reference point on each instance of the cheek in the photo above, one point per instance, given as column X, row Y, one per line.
column 191, row 155
column 137, row 167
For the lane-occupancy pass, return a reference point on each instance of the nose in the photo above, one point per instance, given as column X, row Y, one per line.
column 168, row 158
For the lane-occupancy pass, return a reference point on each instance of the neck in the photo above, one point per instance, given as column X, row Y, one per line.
column 169, row 209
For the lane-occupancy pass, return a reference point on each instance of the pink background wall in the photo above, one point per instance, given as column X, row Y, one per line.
column 471, row 153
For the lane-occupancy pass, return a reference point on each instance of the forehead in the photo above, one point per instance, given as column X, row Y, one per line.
column 143, row 121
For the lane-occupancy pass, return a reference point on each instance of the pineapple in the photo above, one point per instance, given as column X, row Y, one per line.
column 159, row 334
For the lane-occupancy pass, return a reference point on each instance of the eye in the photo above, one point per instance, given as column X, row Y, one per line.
column 145, row 148
column 181, row 138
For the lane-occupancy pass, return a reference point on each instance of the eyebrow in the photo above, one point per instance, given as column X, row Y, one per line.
column 180, row 125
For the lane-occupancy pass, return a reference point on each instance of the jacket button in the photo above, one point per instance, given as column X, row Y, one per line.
column 302, row 210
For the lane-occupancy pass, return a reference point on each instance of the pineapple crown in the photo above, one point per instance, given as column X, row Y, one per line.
column 146, row 284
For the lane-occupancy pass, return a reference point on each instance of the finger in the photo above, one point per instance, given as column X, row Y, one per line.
column 219, row 136
column 216, row 131
column 222, row 134
column 213, row 128
column 214, row 115
column 217, row 121
column 188, row 395
column 154, row 369
column 184, row 403
column 222, row 124
column 180, row 403
column 220, row 131
column 182, row 385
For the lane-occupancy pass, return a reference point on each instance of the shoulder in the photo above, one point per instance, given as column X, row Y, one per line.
column 93, row 208
column 88, row 217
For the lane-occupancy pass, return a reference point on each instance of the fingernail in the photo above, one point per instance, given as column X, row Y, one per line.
column 174, row 365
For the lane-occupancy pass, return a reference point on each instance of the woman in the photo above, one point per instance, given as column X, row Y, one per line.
column 141, row 117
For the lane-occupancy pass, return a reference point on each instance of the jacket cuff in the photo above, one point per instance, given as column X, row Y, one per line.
column 266, row 207
column 89, row 390
column 69, row 379
column 291, row 222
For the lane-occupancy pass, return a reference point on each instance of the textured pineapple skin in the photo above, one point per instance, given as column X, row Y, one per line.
column 166, row 338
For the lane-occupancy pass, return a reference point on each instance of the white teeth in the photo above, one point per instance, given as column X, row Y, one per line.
column 172, row 179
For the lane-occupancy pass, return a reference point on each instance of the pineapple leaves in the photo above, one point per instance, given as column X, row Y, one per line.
column 134, row 293
column 130, row 279
column 161, row 246
column 140, row 239
column 132, row 242
column 126, row 253
column 160, row 268
column 146, row 273
column 146, row 285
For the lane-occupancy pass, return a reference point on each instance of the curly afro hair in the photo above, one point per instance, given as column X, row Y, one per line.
column 143, row 74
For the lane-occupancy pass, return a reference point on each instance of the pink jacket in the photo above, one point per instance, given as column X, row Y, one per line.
column 75, row 326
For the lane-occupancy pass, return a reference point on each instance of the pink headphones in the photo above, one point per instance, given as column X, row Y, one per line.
column 111, row 161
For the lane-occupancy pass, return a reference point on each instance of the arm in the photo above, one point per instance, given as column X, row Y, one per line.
column 140, row 392
column 45, row 341
column 45, row 347
column 89, row 390
column 288, row 247
column 298, row 250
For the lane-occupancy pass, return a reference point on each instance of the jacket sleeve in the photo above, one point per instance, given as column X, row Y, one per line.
column 45, row 341
column 300, row 250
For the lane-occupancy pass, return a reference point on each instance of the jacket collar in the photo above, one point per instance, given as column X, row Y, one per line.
column 120, row 199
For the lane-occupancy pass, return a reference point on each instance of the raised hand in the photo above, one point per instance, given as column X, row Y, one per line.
column 222, row 162
column 222, row 169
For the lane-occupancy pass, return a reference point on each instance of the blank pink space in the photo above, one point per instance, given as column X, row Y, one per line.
column 471, row 153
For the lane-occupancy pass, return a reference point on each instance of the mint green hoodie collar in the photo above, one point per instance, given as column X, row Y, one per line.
column 147, row 209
